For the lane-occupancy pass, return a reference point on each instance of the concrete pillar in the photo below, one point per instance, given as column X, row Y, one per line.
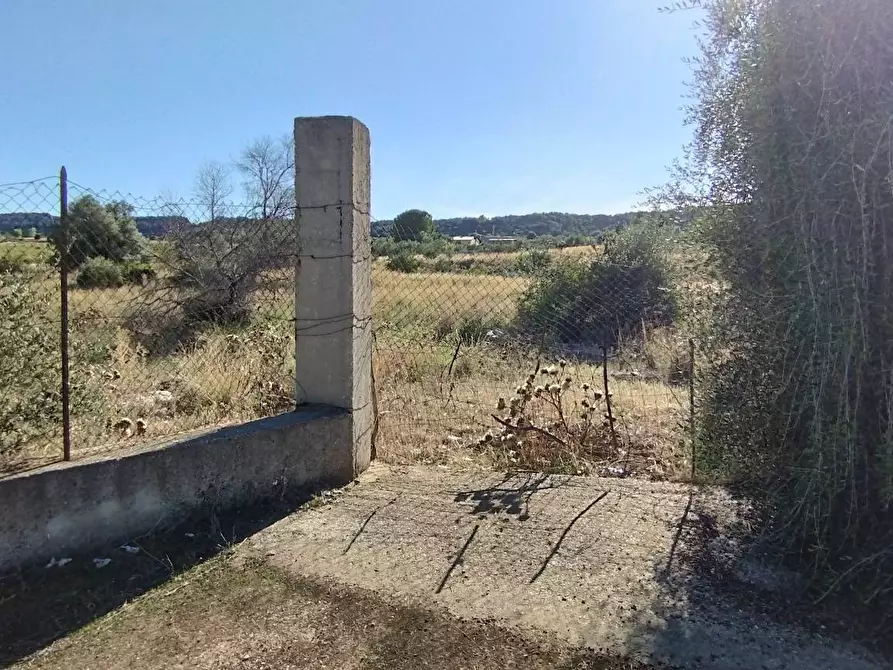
column 333, row 358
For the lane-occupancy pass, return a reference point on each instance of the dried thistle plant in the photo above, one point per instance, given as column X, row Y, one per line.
column 552, row 423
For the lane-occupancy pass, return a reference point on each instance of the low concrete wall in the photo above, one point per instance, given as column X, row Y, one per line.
column 72, row 507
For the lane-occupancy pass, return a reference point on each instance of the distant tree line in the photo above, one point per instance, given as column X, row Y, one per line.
column 43, row 224
column 521, row 225
column 211, row 192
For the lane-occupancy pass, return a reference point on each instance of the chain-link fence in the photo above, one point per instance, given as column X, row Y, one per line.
column 570, row 360
column 31, row 405
column 172, row 315
column 179, row 316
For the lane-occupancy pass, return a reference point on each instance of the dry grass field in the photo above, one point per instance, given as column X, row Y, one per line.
column 586, row 251
column 435, row 408
column 444, row 355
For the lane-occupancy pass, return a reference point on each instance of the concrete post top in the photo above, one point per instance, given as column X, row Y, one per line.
column 331, row 124
column 331, row 118
column 331, row 164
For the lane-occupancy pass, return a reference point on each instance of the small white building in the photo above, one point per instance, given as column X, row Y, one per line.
column 499, row 239
column 467, row 240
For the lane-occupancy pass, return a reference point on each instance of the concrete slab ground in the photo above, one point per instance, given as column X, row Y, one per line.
column 599, row 563
column 411, row 568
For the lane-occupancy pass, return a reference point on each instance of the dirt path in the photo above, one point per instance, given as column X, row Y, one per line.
column 253, row 617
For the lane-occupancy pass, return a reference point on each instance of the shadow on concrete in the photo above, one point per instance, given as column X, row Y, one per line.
column 567, row 529
column 511, row 495
column 41, row 604
column 680, row 527
column 716, row 569
column 458, row 558
column 366, row 523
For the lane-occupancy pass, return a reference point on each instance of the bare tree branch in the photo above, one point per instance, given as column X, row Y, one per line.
column 213, row 186
column 267, row 166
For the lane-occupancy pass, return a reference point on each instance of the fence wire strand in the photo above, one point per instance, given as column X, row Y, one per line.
column 181, row 316
column 30, row 324
column 560, row 360
column 178, row 320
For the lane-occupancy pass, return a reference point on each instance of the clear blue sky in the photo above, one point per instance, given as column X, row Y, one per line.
column 475, row 106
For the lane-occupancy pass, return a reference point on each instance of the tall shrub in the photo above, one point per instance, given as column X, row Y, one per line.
column 30, row 403
column 96, row 230
column 605, row 300
column 220, row 264
column 792, row 157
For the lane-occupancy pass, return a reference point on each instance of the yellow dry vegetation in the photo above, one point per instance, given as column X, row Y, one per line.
column 434, row 408
column 585, row 251
column 435, row 294
column 438, row 372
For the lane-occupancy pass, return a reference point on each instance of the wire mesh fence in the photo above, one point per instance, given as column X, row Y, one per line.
column 179, row 316
column 566, row 360
column 30, row 326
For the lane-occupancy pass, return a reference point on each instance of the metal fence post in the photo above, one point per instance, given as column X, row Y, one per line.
column 63, row 288
column 693, row 427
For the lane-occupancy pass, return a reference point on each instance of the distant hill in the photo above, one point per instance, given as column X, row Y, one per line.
column 159, row 226
column 149, row 226
column 519, row 225
column 25, row 220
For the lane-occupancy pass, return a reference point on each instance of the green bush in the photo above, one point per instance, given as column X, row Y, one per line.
column 606, row 300
column 430, row 245
column 473, row 328
column 137, row 272
column 534, row 262
column 433, row 245
column 469, row 329
column 443, row 264
column 95, row 230
column 100, row 272
column 384, row 246
column 403, row 262
column 29, row 366
column 13, row 264
column 465, row 263
column 798, row 404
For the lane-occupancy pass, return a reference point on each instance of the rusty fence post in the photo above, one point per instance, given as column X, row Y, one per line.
column 692, row 426
column 63, row 295
column 609, row 414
